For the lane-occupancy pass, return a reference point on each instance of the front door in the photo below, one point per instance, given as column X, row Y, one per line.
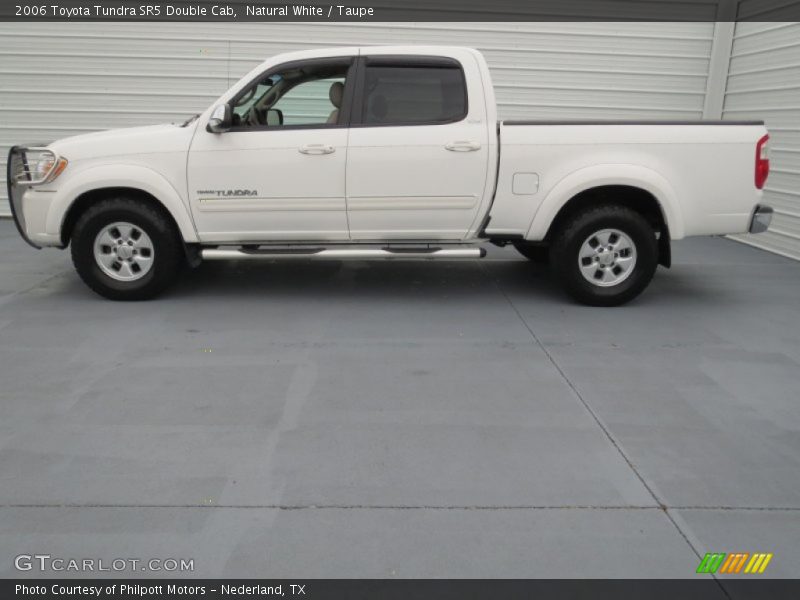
column 279, row 172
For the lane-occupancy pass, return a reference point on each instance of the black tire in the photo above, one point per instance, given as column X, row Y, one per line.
column 167, row 250
column 571, row 236
column 535, row 253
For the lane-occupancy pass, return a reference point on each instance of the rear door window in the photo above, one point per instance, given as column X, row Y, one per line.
column 413, row 95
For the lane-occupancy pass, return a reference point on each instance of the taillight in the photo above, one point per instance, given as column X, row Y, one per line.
column 762, row 162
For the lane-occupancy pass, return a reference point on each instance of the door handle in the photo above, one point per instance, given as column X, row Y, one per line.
column 316, row 149
column 463, row 146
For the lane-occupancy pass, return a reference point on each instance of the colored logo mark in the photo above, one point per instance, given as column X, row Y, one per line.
column 735, row 562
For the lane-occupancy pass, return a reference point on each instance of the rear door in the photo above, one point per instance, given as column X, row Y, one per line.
column 418, row 148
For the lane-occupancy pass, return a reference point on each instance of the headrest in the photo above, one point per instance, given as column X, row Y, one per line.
column 336, row 93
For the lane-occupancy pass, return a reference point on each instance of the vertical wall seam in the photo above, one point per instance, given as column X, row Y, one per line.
column 718, row 67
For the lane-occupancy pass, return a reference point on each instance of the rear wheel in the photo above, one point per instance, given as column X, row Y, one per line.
column 125, row 249
column 605, row 256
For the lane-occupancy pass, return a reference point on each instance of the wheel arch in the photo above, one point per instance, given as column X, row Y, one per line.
column 95, row 184
column 637, row 188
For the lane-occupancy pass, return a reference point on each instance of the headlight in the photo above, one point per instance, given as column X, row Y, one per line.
column 39, row 165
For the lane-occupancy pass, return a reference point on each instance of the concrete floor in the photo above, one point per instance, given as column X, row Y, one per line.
column 453, row 419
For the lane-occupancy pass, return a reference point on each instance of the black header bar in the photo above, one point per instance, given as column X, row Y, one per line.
column 400, row 10
column 702, row 587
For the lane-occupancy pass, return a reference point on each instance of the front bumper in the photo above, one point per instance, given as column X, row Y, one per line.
column 762, row 217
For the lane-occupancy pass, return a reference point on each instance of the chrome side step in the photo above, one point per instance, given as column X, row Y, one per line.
column 340, row 253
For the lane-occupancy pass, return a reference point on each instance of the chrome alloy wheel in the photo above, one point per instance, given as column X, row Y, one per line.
column 607, row 257
column 123, row 251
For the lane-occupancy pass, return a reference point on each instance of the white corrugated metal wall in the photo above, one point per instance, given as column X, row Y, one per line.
column 61, row 79
column 764, row 83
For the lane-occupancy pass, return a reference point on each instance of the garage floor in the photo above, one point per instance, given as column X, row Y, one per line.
column 452, row 419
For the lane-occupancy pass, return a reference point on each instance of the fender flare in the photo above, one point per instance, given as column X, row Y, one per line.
column 122, row 176
column 606, row 175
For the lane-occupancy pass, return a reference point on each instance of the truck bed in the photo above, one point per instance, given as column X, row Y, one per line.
column 701, row 172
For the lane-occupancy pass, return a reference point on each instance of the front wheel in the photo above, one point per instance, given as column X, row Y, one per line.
column 605, row 256
column 125, row 249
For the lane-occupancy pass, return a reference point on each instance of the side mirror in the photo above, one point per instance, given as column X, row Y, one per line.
column 274, row 117
column 220, row 120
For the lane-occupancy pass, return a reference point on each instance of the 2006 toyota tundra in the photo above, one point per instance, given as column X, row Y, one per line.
column 402, row 156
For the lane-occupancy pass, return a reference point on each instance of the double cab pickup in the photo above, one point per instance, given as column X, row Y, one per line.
column 386, row 152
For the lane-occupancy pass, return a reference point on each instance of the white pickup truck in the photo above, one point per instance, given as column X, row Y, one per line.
column 385, row 152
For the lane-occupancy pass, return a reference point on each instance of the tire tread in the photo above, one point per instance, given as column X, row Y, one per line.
column 562, row 256
column 169, row 255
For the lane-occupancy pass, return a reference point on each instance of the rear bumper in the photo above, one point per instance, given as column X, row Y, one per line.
column 762, row 217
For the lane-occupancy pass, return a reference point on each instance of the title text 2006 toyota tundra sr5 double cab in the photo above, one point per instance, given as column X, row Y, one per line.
column 386, row 152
